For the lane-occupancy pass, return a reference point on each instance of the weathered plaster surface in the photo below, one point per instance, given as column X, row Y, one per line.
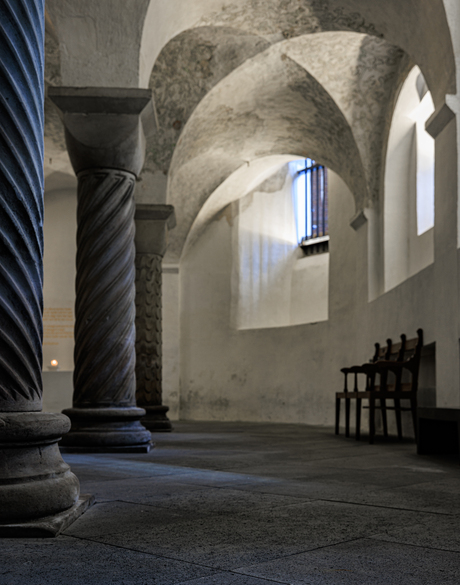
column 52, row 54
column 189, row 67
column 362, row 74
column 186, row 70
column 56, row 157
column 99, row 41
column 413, row 25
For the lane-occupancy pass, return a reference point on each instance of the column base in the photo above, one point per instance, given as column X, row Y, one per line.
column 35, row 482
column 48, row 526
column 156, row 419
column 105, row 429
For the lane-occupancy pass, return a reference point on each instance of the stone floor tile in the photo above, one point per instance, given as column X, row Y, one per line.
column 363, row 562
column 145, row 490
column 376, row 476
column 212, row 478
column 116, row 467
column 229, row 579
column 423, row 497
column 70, row 561
column 225, row 501
column 214, row 501
column 184, row 498
column 223, row 541
column 313, row 489
column 109, row 518
column 436, row 531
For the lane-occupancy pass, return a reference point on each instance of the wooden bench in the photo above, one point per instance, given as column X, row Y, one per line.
column 380, row 353
column 396, row 368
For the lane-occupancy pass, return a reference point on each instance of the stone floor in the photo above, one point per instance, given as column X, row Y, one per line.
column 254, row 504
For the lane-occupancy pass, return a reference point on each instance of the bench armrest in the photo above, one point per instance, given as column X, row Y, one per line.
column 353, row 370
column 385, row 365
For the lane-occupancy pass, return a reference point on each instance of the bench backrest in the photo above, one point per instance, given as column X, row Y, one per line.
column 397, row 350
column 412, row 355
column 382, row 353
column 409, row 352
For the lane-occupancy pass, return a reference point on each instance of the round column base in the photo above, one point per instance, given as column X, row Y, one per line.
column 156, row 420
column 107, row 428
column 35, row 482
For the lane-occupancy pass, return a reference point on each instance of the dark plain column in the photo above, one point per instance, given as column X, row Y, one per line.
column 152, row 223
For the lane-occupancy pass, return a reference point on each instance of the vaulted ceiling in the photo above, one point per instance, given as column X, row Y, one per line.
column 249, row 81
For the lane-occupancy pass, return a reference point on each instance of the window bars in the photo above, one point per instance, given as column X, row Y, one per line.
column 316, row 203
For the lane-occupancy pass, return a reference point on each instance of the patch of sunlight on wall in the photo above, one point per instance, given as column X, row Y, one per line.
column 425, row 165
column 274, row 284
column 409, row 185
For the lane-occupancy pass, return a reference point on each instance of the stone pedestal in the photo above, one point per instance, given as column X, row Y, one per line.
column 152, row 223
column 106, row 146
column 34, row 480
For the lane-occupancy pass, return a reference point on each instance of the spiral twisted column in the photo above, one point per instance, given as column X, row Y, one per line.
column 34, row 480
column 105, row 143
column 152, row 222
column 104, row 327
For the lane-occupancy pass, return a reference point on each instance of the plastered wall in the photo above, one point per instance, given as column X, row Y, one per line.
column 273, row 284
column 212, row 369
column 286, row 374
column 60, row 229
column 405, row 252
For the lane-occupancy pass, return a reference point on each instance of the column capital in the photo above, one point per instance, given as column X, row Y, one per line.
column 152, row 223
column 103, row 126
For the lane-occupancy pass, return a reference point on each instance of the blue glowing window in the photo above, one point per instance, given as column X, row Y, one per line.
column 310, row 199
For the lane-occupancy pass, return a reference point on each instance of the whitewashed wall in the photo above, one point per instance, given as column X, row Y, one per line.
column 286, row 374
column 405, row 251
column 60, row 230
column 273, row 284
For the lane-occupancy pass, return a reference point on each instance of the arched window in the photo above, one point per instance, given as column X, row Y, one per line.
column 409, row 184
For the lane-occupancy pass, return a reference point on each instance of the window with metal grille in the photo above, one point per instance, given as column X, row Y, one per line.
column 311, row 206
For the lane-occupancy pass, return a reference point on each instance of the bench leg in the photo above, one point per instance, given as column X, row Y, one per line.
column 458, row 432
column 358, row 419
column 398, row 418
column 383, row 408
column 337, row 415
column 371, row 420
column 347, row 417
column 413, row 408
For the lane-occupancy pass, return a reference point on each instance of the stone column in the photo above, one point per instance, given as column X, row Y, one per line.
column 38, row 492
column 152, row 222
column 106, row 146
